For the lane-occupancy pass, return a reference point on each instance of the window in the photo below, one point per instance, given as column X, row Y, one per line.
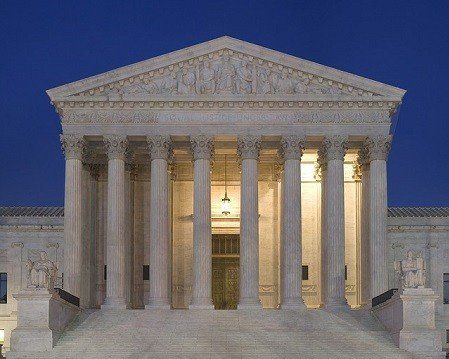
column 146, row 272
column 447, row 336
column 305, row 272
column 105, row 274
column 446, row 288
column 3, row 288
column 346, row 272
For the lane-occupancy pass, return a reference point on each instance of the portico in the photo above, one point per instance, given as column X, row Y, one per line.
column 306, row 148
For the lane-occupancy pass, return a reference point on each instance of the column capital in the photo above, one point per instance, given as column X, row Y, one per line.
column 363, row 159
column 116, row 146
column 292, row 147
column 202, row 147
column 332, row 148
column 159, row 146
column 378, row 147
column 248, row 147
column 73, row 146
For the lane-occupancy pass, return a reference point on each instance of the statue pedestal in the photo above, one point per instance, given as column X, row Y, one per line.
column 33, row 331
column 42, row 316
column 418, row 334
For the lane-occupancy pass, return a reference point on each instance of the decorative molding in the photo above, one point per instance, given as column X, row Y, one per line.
column 377, row 148
column 73, row 146
column 202, row 147
column 267, row 288
column 201, row 116
column 418, row 228
column 248, row 147
column 116, row 146
column 350, row 288
column 159, row 147
column 16, row 245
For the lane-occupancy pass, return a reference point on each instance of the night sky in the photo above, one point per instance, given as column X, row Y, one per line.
column 50, row 43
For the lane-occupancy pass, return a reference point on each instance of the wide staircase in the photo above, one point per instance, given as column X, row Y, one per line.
column 224, row 334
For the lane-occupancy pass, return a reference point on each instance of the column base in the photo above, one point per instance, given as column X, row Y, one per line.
column 338, row 306
column 250, row 304
column 114, row 303
column 293, row 305
column 158, row 305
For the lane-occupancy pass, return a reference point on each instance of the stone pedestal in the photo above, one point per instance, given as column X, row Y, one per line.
column 42, row 317
column 419, row 335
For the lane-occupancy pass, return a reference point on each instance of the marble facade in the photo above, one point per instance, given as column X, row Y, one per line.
column 306, row 148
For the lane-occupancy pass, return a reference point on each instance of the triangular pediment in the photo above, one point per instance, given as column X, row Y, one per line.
column 225, row 69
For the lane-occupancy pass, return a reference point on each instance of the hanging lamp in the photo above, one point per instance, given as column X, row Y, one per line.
column 226, row 202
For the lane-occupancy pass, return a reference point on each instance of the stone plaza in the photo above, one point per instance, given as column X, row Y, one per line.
column 227, row 200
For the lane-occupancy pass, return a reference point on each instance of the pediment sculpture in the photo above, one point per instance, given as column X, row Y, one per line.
column 227, row 75
column 41, row 273
column 411, row 270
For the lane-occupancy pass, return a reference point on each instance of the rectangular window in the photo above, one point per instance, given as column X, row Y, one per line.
column 105, row 274
column 346, row 272
column 3, row 288
column 447, row 336
column 446, row 288
column 305, row 272
column 146, row 272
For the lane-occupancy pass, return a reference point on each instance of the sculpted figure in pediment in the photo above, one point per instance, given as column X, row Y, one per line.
column 244, row 78
column 226, row 77
column 187, row 82
column 207, row 79
column 263, row 84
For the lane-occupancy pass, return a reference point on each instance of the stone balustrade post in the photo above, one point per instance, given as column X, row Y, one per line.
column 248, row 150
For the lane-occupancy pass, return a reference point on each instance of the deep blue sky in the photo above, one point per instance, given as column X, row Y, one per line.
column 49, row 43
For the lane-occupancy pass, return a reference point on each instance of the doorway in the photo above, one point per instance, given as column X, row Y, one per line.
column 225, row 270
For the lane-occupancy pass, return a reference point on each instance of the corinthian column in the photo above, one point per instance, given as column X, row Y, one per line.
column 363, row 163
column 291, row 263
column 116, row 240
column 160, row 149
column 330, row 158
column 202, row 148
column 248, row 150
column 377, row 149
column 73, row 147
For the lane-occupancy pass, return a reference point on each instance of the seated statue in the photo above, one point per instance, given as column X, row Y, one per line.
column 42, row 272
column 411, row 270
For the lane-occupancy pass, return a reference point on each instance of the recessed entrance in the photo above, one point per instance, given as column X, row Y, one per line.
column 225, row 270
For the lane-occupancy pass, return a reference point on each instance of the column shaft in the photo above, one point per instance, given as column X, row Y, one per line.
column 202, row 233
column 331, row 157
column 377, row 149
column 73, row 147
column 378, row 227
column 249, row 224
column 291, row 244
column 116, row 236
column 159, row 234
column 365, row 277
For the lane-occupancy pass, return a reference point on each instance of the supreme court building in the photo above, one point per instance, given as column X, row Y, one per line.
column 227, row 176
column 298, row 149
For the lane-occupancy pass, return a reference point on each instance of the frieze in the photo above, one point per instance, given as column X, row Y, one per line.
column 85, row 117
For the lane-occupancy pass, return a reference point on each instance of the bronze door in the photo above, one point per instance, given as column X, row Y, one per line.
column 225, row 282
